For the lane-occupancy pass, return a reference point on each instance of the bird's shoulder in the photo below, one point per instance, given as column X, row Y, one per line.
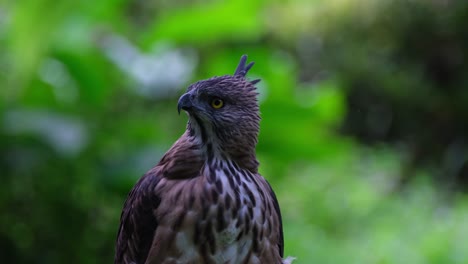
column 183, row 160
column 139, row 219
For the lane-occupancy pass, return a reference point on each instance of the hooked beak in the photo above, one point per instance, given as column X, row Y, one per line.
column 185, row 103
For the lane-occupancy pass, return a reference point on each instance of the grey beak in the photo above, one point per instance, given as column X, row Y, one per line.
column 185, row 102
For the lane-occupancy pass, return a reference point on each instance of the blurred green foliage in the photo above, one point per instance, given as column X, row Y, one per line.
column 364, row 131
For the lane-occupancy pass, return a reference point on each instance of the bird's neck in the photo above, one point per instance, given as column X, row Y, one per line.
column 189, row 154
column 231, row 151
column 235, row 147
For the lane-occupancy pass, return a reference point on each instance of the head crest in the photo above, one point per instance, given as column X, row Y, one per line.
column 242, row 68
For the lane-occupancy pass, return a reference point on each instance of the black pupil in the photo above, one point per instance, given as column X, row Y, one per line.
column 217, row 102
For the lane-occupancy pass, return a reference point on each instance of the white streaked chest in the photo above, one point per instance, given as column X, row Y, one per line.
column 231, row 208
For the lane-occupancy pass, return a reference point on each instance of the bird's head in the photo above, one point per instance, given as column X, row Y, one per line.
column 224, row 112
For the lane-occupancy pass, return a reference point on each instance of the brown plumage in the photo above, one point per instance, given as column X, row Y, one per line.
column 205, row 202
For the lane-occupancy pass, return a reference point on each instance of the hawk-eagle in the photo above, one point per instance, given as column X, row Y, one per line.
column 205, row 201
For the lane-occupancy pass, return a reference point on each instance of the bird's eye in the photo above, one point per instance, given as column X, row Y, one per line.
column 217, row 103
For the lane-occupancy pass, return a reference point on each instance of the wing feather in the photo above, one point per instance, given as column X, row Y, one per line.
column 139, row 219
column 277, row 211
column 138, row 222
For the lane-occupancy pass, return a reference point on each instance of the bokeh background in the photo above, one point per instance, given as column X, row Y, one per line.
column 364, row 134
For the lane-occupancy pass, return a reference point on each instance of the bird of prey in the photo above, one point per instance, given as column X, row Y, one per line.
column 205, row 201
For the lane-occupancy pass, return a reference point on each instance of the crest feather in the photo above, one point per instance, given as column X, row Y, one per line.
column 242, row 69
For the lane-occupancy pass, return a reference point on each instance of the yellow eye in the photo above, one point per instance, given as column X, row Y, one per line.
column 217, row 103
